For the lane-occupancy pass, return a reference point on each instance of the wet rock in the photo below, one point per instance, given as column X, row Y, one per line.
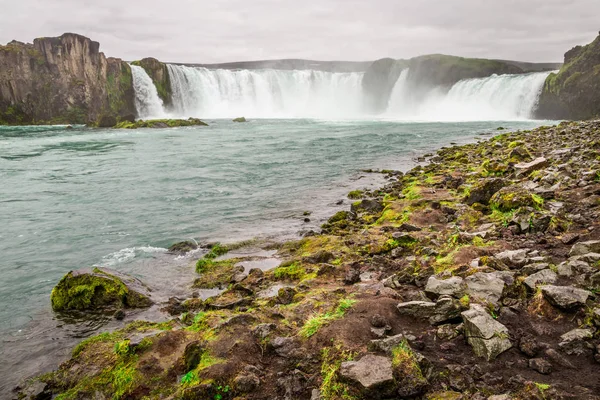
column 483, row 191
column 540, row 365
column 286, row 295
column 577, row 342
column 183, row 247
column 372, row 374
column 437, row 287
column 96, row 288
column 246, row 382
column 261, row 331
column 514, row 258
column 524, row 169
column 565, row 297
column 487, row 337
column 581, row 248
column 370, row 206
column 386, row 345
column 540, row 278
column 35, row 390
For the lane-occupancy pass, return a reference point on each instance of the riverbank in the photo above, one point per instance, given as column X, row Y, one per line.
column 470, row 277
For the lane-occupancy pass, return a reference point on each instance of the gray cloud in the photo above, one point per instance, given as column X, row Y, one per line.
column 235, row 30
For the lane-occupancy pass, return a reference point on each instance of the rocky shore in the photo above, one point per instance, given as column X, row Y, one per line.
column 475, row 276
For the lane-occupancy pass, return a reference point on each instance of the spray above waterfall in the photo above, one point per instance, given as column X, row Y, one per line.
column 269, row 93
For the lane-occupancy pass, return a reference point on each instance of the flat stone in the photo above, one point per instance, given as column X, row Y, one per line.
column 446, row 309
column 372, row 373
column 570, row 268
column 436, row 287
column 487, row 337
column 527, row 168
column 581, row 248
column 420, row 309
column 540, row 278
column 565, row 297
column 588, row 257
column 533, row 268
column 408, row 228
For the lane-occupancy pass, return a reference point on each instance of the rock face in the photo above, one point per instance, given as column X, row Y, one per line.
column 62, row 80
column 488, row 337
column 96, row 288
column 159, row 73
column 573, row 92
column 378, row 83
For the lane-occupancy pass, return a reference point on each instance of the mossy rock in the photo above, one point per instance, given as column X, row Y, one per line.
column 160, row 123
column 513, row 197
column 97, row 288
column 240, row 119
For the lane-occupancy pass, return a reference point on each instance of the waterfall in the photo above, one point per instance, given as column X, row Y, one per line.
column 267, row 93
column 147, row 102
column 497, row 97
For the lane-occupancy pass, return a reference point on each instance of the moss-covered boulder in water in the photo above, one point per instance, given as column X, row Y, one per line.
column 95, row 288
column 160, row 123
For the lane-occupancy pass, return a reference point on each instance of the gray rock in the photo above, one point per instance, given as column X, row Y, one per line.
column 486, row 287
column 565, row 297
column 372, row 373
column 577, row 342
column 514, row 258
column 386, row 345
column 540, row 365
column 559, row 359
column 316, row 395
column 419, row 309
column 581, row 248
column 524, row 169
column 448, row 332
column 409, row 228
column 570, row 268
column 540, row 278
column 284, row 346
column 500, row 397
column 533, row 268
column 436, row 287
column 261, row 331
column 446, row 309
column 487, row 337
column 588, row 257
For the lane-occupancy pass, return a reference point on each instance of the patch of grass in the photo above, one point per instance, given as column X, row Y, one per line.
column 412, row 192
column 214, row 273
column 331, row 387
column 103, row 337
column 123, row 379
column 405, row 362
column 314, row 323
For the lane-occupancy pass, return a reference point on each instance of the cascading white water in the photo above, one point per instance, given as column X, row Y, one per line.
column 219, row 93
column 498, row 97
column 147, row 102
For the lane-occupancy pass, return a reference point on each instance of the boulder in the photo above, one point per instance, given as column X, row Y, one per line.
column 525, row 169
column 446, row 309
column 97, row 288
column 565, row 297
column 436, row 287
column 487, row 287
column 285, row 295
column 581, row 248
column 513, row 197
column 386, row 345
column 372, row 374
column 487, row 337
column 483, row 191
column 183, row 247
column 543, row 277
column 577, row 342
column 240, row 119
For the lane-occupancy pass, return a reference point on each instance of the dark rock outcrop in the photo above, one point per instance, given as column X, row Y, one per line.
column 64, row 79
column 574, row 92
column 378, row 83
column 159, row 73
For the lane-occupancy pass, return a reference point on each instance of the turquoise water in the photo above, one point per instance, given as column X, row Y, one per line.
column 81, row 197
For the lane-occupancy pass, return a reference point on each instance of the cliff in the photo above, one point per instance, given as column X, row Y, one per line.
column 574, row 92
column 62, row 80
column 159, row 73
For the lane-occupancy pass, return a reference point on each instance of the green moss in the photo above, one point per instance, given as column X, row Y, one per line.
column 160, row 123
column 214, row 273
column 332, row 388
column 88, row 291
column 355, row 194
column 294, row 271
column 314, row 323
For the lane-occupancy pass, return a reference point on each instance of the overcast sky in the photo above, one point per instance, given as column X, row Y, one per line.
column 203, row 31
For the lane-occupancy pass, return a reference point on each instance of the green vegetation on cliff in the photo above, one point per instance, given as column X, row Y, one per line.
column 159, row 73
column 160, row 123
